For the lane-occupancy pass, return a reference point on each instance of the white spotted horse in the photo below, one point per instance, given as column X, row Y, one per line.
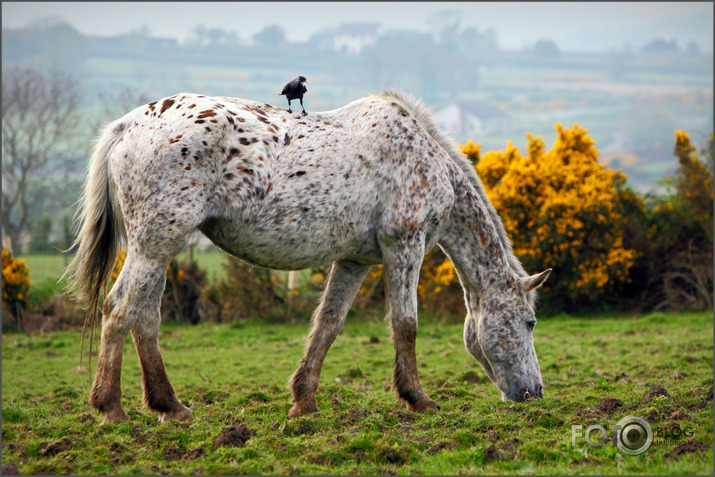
column 375, row 181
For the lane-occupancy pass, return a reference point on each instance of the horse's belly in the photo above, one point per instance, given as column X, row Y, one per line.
column 295, row 243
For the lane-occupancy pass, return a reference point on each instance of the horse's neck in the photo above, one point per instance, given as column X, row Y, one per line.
column 473, row 245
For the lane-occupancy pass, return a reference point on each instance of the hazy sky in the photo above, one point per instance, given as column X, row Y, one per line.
column 584, row 26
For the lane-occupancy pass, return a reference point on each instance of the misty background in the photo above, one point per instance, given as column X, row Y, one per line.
column 631, row 73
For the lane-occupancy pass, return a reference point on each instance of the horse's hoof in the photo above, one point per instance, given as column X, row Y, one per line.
column 423, row 405
column 301, row 409
column 114, row 417
column 183, row 414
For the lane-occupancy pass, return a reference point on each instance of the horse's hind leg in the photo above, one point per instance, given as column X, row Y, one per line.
column 122, row 307
column 158, row 393
column 343, row 284
column 402, row 262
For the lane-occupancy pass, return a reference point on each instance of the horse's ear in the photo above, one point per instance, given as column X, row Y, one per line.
column 534, row 281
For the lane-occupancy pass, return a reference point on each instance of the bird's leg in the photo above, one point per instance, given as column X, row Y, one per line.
column 289, row 111
column 301, row 105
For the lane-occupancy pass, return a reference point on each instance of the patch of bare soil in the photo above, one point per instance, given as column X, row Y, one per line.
column 656, row 390
column 394, row 456
column 173, row 453
column 406, row 416
column 507, row 448
column 10, row 469
column 195, row 453
column 439, row 447
column 86, row 417
column 609, row 405
column 354, row 416
column 584, row 461
column 139, row 436
column 623, row 377
column 679, row 416
column 584, row 412
column 491, row 453
column 692, row 445
column 53, row 448
column 304, row 428
column 705, row 400
column 472, row 377
column 233, row 436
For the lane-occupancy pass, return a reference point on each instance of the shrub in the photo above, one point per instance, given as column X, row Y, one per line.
column 183, row 299
column 563, row 210
column 15, row 285
column 678, row 254
column 247, row 291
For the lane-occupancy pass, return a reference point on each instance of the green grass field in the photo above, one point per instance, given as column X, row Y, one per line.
column 45, row 267
column 595, row 371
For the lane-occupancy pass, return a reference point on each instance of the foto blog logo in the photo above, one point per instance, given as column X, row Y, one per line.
column 632, row 435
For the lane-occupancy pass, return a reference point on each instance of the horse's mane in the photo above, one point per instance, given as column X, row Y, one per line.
column 425, row 119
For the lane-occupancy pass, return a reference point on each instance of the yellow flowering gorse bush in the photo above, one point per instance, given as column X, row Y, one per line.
column 562, row 210
column 694, row 182
column 15, row 280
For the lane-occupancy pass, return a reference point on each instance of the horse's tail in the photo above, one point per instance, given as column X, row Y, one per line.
column 99, row 229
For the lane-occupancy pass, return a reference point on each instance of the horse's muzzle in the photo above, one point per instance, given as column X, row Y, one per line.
column 525, row 393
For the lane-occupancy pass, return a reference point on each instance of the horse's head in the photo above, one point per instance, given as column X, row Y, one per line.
column 499, row 335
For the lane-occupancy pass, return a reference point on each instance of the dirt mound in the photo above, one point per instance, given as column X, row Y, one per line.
column 623, row 377
column 705, row 400
column 86, row 417
column 492, row 453
column 584, row 461
column 173, row 453
column 54, row 447
column 693, row 445
column 439, row 447
column 609, row 405
column 195, row 453
column 10, row 469
column 233, row 436
column 656, row 390
column 472, row 377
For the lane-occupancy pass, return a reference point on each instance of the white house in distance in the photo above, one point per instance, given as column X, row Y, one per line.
column 349, row 38
column 471, row 118
column 353, row 37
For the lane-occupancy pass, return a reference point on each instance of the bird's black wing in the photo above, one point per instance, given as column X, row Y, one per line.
column 286, row 88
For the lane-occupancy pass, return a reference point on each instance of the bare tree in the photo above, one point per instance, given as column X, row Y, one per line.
column 39, row 115
column 116, row 105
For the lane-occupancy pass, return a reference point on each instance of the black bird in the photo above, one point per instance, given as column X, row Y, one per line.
column 295, row 90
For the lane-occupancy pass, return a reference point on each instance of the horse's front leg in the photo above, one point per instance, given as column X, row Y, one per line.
column 402, row 261
column 158, row 393
column 344, row 281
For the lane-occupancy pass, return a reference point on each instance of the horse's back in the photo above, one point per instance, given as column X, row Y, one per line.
column 277, row 189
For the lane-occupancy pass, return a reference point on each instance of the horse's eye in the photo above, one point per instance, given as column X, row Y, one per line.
column 530, row 324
